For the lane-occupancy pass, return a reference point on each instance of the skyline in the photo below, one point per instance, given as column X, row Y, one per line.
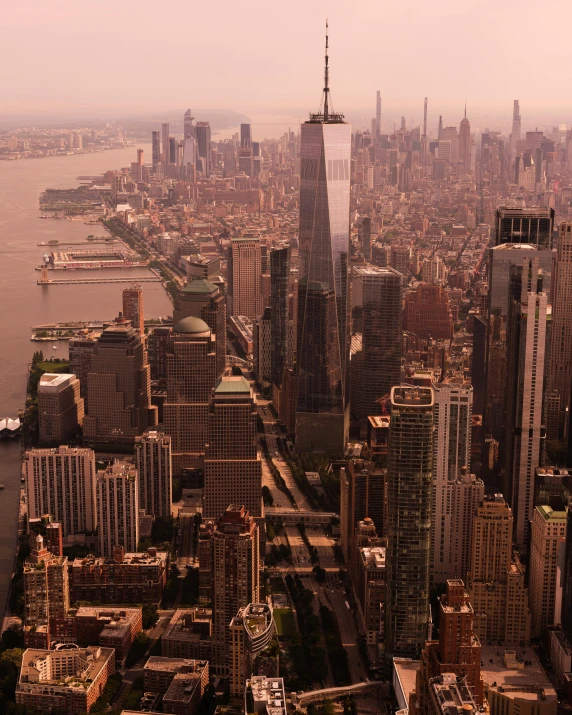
column 446, row 52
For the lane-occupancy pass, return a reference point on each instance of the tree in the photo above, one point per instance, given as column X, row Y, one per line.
column 150, row 615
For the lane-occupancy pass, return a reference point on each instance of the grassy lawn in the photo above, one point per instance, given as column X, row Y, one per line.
column 284, row 621
column 47, row 366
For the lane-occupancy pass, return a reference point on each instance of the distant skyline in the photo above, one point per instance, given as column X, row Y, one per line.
column 117, row 60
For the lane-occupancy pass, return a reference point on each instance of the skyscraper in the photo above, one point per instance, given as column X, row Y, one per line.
column 165, row 144
column 233, row 470
column 524, row 225
column 515, row 134
column 567, row 580
column 117, row 508
column 154, row 468
column 188, row 127
column 203, row 136
column 561, row 345
column 528, row 334
column 465, row 142
column 322, row 412
column 244, row 270
column 409, row 488
column 495, row 583
column 202, row 299
column 452, row 451
column 133, row 307
column 156, row 149
column 60, row 407
column 280, row 315
column 376, row 312
column 61, row 482
column 378, row 115
column 119, row 384
column 234, row 566
column 191, row 376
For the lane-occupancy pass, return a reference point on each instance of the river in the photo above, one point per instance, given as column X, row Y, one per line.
column 23, row 303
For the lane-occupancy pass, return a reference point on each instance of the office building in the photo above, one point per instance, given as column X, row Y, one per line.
column 262, row 345
column 80, row 350
column 427, row 313
column 524, row 225
column 232, row 466
column 119, row 383
column 457, row 652
column 203, row 137
column 156, row 149
column 191, row 375
column 548, row 537
column 465, row 143
column 188, row 127
column 46, row 590
column 117, row 508
column 501, row 260
column 155, row 471
column 409, row 489
column 124, row 578
column 280, row 349
column 244, row 268
column 165, row 144
column 60, row 407
column 567, row 580
column 452, row 451
column 61, row 482
column 528, row 334
column 378, row 115
column 200, row 298
column 234, row 568
column 376, row 314
column 68, row 679
column 322, row 410
column 495, row 582
column 252, row 631
column 157, row 348
column 560, row 376
column 133, row 307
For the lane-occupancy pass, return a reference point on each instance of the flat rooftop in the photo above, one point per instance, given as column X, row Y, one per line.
column 527, row 682
column 55, row 381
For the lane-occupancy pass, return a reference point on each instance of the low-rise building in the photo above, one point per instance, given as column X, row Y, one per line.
column 264, row 696
column 188, row 634
column 110, row 628
column 181, row 680
column 123, row 579
column 69, row 678
column 449, row 694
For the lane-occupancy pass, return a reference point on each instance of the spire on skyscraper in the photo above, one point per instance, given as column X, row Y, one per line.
column 326, row 116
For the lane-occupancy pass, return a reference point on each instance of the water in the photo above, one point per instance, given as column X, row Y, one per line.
column 23, row 303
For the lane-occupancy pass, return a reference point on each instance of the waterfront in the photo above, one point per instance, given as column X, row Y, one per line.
column 23, row 303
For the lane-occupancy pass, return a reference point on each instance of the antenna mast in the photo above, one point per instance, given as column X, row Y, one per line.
column 326, row 88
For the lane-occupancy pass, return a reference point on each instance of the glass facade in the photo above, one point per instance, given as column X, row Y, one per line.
column 279, row 288
column 323, row 327
column 410, row 477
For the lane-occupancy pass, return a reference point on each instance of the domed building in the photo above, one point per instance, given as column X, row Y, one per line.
column 191, row 364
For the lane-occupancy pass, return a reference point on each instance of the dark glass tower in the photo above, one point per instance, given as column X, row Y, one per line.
column 322, row 410
column 409, row 488
column 279, row 285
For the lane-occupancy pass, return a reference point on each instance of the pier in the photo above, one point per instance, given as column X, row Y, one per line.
column 70, row 281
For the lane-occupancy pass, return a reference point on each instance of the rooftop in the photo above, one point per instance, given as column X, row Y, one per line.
column 266, row 695
column 200, row 286
column 452, row 694
column 233, row 385
column 55, row 381
column 515, row 673
column 76, row 672
column 549, row 514
column 412, row 396
column 191, row 326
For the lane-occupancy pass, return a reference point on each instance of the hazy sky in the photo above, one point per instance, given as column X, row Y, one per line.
column 113, row 57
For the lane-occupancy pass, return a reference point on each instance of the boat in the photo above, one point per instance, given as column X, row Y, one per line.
column 54, row 347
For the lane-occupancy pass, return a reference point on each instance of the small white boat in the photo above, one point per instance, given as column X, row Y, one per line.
column 54, row 347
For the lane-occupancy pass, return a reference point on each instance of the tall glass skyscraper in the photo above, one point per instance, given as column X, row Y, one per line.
column 409, row 488
column 322, row 409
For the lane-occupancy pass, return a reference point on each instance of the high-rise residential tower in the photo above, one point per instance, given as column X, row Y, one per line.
column 322, row 411
column 119, row 385
column 165, row 144
column 233, row 469
column 154, row 467
column 191, row 376
column 203, row 136
column 452, row 452
column 133, row 307
column 61, row 482
column 233, row 570
column 515, row 134
column 409, row 488
column 528, row 334
column 117, row 508
column 244, row 270
column 156, row 149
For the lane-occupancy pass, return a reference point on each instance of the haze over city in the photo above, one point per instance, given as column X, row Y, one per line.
column 67, row 59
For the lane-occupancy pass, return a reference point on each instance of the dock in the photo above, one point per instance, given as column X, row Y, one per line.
column 71, row 281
